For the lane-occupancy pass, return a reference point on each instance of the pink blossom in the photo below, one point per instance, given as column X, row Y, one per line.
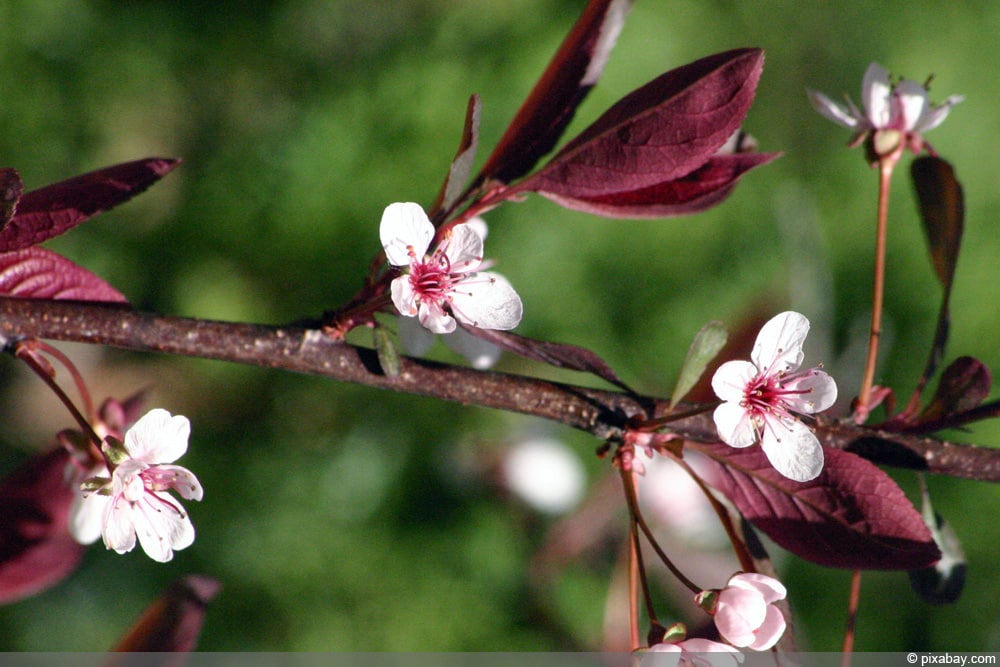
column 745, row 613
column 904, row 108
column 447, row 284
column 762, row 398
column 133, row 502
column 691, row 652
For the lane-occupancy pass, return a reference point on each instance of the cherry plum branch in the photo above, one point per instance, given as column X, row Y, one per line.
column 603, row 413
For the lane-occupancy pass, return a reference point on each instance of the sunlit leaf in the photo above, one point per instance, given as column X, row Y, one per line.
column 49, row 211
column 852, row 516
column 661, row 132
column 37, row 273
column 706, row 345
column 461, row 165
column 549, row 108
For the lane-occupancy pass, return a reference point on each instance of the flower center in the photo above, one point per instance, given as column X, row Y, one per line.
column 431, row 280
column 770, row 394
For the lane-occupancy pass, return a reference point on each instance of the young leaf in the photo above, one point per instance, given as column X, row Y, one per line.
column 659, row 133
column 37, row 273
column 47, row 212
column 36, row 549
column 173, row 623
column 852, row 516
column 10, row 192
column 560, row 355
column 388, row 357
column 706, row 345
column 963, row 386
column 943, row 582
column 550, row 106
column 700, row 190
column 461, row 165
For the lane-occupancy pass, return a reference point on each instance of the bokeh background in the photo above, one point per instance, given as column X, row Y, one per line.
column 340, row 518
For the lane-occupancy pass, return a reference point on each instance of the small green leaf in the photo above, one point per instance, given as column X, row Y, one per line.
column 388, row 357
column 706, row 344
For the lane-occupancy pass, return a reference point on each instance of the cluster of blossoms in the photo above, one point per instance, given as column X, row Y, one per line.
column 893, row 116
column 762, row 398
column 745, row 616
column 126, row 498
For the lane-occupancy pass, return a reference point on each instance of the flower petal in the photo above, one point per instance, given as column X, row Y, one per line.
column 832, row 111
column 405, row 227
column 769, row 588
column 416, row 340
column 434, row 319
column 911, row 104
column 486, row 300
column 770, row 630
column 480, row 353
column 158, row 437
column 937, row 114
column 731, row 379
column 734, row 425
column 118, row 532
column 820, row 392
column 464, row 249
column 738, row 614
column 404, row 297
column 161, row 528
column 876, row 96
column 792, row 449
column 86, row 516
column 779, row 344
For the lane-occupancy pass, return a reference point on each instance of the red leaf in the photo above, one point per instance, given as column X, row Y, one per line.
column 963, row 386
column 173, row 623
column 573, row 71
column 47, row 212
column 10, row 193
column 942, row 210
column 37, row 273
column 701, row 189
column 36, row 549
column 852, row 516
column 658, row 133
column 560, row 355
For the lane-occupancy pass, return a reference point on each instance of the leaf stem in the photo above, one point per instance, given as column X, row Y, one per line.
column 852, row 615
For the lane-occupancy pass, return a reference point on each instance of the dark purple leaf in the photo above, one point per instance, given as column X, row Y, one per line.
column 37, row 273
column 964, row 385
column 47, row 212
column 661, row 132
column 36, row 549
column 701, row 189
column 10, row 193
column 173, row 623
column 852, row 516
column 461, row 165
column 550, row 106
column 560, row 355
column 942, row 209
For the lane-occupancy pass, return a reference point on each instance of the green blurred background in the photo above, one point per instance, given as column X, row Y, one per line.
column 342, row 518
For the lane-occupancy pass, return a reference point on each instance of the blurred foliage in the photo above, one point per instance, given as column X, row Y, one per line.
column 341, row 518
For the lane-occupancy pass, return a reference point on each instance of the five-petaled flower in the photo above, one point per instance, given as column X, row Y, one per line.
column 762, row 397
column 447, row 284
column 132, row 500
column 744, row 611
column 894, row 115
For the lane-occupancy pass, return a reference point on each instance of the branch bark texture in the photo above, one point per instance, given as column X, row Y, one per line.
column 603, row 413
